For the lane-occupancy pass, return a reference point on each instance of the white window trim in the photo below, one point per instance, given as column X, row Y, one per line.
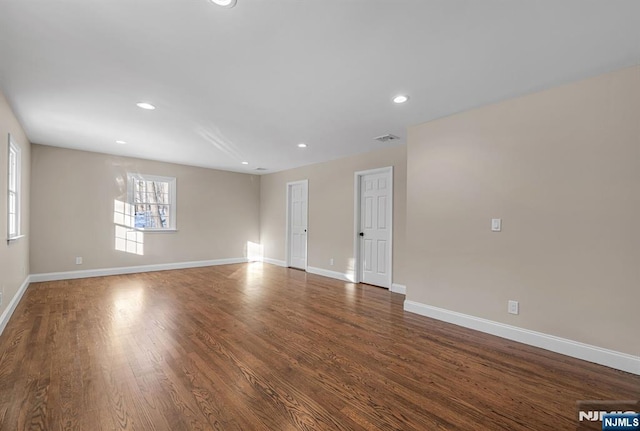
column 131, row 177
column 14, row 148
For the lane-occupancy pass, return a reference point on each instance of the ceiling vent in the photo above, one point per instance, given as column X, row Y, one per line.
column 261, row 169
column 387, row 138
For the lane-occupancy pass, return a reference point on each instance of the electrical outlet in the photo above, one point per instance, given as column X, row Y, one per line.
column 78, row 261
column 513, row 307
column 331, row 261
column 1, row 294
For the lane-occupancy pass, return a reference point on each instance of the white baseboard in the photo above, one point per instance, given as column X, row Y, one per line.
column 331, row 274
column 69, row 275
column 348, row 277
column 11, row 307
column 274, row 261
column 587, row 352
column 399, row 288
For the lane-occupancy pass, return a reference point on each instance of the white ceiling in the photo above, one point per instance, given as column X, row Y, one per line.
column 251, row 82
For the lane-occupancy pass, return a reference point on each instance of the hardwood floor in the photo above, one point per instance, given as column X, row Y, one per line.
column 258, row 347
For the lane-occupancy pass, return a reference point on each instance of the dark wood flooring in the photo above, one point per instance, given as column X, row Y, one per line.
column 258, row 347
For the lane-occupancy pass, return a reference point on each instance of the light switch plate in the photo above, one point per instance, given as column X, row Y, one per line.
column 496, row 224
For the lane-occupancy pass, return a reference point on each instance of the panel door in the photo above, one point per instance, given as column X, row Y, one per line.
column 375, row 229
column 298, row 225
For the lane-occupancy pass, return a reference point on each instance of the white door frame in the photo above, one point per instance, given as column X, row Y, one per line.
column 357, row 221
column 287, row 251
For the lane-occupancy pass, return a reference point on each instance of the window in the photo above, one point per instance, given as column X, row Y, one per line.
column 13, row 204
column 153, row 200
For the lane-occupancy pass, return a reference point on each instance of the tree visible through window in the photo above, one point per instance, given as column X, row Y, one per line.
column 153, row 199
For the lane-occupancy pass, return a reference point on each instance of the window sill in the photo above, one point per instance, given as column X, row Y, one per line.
column 156, row 230
column 14, row 238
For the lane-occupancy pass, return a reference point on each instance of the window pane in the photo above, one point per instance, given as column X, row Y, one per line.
column 141, row 220
column 164, row 212
column 151, row 192
column 12, row 203
column 153, row 216
column 12, row 171
column 13, row 229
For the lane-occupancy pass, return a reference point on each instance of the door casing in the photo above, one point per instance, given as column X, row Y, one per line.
column 287, row 248
column 357, row 265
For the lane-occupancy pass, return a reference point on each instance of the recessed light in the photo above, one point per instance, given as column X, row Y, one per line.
column 245, row 163
column 401, row 98
column 145, row 105
column 224, row 3
column 121, row 142
column 302, row 145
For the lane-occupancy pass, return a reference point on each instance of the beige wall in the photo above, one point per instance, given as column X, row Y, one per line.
column 331, row 203
column 14, row 257
column 73, row 195
column 562, row 169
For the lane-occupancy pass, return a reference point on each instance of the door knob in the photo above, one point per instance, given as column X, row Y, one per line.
column 361, row 233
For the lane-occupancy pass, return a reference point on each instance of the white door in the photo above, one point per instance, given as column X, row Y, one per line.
column 376, row 205
column 297, row 226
